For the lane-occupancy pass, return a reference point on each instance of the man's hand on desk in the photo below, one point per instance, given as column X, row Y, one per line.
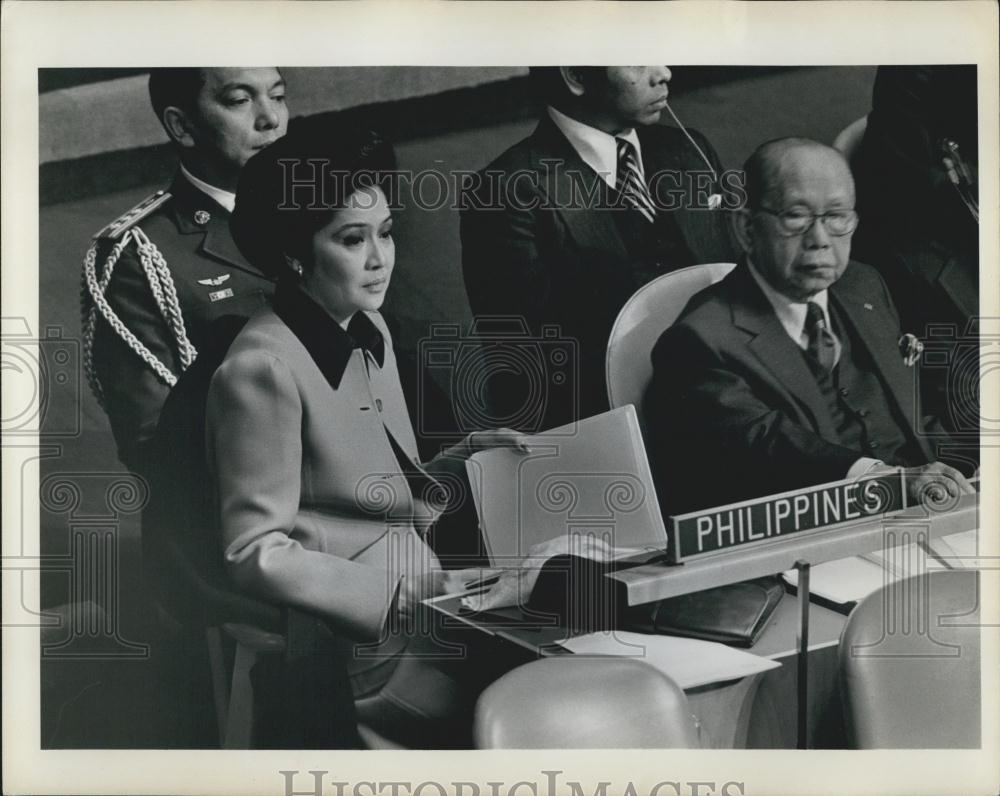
column 934, row 484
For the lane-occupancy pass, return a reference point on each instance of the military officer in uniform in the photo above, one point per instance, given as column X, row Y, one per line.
column 157, row 278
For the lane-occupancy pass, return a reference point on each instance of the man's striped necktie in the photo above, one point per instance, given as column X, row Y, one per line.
column 629, row 182
column 823, row 345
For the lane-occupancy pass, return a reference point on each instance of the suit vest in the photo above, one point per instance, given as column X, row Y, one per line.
column 859, row 405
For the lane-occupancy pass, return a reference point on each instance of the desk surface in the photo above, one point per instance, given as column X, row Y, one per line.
column 541, row 635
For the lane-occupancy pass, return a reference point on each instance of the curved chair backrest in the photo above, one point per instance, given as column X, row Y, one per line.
column 849, row 139
column 306, row 701
column 909, row 664
column 650, row 311
column 182, row 546
column 571, row 702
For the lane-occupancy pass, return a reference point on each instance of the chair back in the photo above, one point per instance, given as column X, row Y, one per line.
column 571, row 702
column 849, row 139
column 181, row 543
column 298, row 699
column 909, row 664
column 645, row 316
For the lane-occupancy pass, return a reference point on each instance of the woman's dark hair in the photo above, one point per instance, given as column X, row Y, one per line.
column 292, row 188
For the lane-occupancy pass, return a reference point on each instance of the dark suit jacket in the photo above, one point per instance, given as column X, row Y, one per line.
column 193, row 251
column 533, row 246
column 733, row 410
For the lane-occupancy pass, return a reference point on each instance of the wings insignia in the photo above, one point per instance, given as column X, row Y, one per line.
column 214, row 281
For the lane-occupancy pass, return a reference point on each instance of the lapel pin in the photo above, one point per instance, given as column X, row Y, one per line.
column 214, row 281
column 869, row 307
column 910, row 348
column 202, row 217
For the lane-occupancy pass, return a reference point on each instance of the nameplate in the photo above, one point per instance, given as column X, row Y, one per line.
column 762, row 519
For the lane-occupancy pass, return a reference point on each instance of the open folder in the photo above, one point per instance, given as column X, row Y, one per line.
column 589, row 479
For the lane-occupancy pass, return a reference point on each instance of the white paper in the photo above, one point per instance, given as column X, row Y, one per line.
column 844, row 580
column 688, row 662
column 591, row 479
column 956, row 547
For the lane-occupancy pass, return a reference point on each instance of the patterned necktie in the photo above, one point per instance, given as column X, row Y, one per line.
column 629, row 183
column 823, row 346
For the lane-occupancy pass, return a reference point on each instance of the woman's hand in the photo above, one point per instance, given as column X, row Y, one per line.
column 496, row 438
column 460, row 581
column 422, row 579
column 418, row 587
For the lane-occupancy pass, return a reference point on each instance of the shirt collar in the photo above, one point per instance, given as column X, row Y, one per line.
column 596, row 148
column 225, row 199
column 791, row 314
column 327, row 342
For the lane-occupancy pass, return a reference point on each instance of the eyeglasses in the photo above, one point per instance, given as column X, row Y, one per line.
column 798, row 221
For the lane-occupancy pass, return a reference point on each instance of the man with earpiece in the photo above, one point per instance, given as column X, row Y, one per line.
column 562, row 228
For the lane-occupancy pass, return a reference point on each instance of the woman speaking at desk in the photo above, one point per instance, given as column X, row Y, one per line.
column 323, row 504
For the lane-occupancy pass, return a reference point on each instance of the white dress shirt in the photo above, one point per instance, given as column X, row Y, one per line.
column 224, row 198
column 792, row 315
column 596, row 148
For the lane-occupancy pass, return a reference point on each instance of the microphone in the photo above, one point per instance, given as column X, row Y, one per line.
column 715, row 200
column 960, row 175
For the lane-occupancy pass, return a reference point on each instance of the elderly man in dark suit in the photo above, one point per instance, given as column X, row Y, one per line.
column 792, row 371
column 159, row 276
column 566, row 225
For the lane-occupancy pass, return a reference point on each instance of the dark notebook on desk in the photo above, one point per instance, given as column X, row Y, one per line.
column 735, row 614
column 576, row 591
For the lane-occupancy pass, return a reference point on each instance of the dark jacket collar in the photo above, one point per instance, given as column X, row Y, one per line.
column 188, row 200
column 327, row 343
column 770, row 343
column 217, row 242
column 875, row 322
column 565, row 176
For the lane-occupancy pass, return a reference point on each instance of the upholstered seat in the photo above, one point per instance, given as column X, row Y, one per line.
column 909, row 662
column 570, row 702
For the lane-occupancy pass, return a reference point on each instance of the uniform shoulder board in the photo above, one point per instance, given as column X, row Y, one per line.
column 131, row 217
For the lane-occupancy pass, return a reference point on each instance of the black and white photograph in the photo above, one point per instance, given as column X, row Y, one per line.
column 367, row 411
